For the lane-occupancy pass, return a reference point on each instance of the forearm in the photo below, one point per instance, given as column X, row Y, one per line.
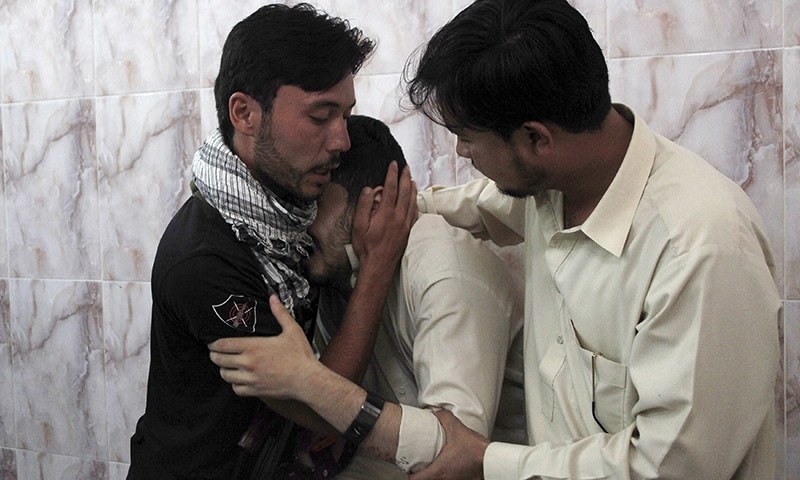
column 379, row 239
column 300, row 414
column 338, row 401
column 349, row 351
column 382, row 441
column 479, row 208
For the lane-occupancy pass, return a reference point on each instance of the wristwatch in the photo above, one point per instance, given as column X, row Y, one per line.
column 366, row 418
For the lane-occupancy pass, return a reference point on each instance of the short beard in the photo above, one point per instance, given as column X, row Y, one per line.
column 337, row 275
column 273, row 170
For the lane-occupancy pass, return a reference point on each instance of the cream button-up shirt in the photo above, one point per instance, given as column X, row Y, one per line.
column 449, row 325
column 656, row 321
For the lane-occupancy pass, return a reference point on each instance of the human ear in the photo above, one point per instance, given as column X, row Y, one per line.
column 245, row 113
column 376, row 200
column 538, row 136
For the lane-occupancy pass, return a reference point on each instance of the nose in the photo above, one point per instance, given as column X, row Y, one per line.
column 338, row 138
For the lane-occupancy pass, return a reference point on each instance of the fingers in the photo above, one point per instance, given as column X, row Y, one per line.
column 221, row 346
column 431, row 472
column 390, row 187
column 244, row 390
column 232, row 375
column 363, row 211
column 223, row 360
column 398, row 200
column 292, row 337
column 446, row 418
column 285, row 319
column 230, row 346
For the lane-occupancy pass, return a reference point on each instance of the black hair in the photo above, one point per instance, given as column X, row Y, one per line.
column 372, row 149
column 281, row 45
column 501, row 63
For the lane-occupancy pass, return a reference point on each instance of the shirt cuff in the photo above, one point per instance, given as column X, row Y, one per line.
column 501, row 460
column 420, row 440
column 425, row 202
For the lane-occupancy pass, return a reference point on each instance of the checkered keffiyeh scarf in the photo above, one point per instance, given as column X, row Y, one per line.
column 274, row 228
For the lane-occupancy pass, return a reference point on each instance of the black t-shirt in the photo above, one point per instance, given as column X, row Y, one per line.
column 206, row 285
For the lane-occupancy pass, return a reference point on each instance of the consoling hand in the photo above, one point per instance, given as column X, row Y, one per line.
column 381, row 227
column 461, row 457
column 266, row 366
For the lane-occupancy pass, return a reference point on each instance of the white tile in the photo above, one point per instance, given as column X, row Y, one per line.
column 118, row 471
column 32, row 465
column 8, row 464
column 791, row 27
column 145, row 145
column 145, row 46
column 48, row 51
column 7, row 432
column 59, row 382
column 3, row 225
column 51, row 167
column 791, row 122
column 208, row 112
column 216, row 18
column 727, row 108
column 595, row 13
column 126, row 324
column 427, row 147
column 398, row 27
column 655, row 27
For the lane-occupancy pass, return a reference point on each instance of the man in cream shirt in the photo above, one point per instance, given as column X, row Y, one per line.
column 449, row 291
column 651, row 312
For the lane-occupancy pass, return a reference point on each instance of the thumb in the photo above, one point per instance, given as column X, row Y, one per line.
column 285, row 319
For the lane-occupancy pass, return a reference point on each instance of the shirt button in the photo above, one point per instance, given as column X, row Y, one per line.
column 560, row 339
column 401, row 392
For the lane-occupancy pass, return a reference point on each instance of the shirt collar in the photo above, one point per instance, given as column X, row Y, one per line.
column 610, row 222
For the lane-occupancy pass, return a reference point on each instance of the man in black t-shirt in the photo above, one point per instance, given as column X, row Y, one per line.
column 283, row 94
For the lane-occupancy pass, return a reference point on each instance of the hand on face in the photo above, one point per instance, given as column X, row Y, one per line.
column 272, row 367
column 380, row 234
column 461, row 457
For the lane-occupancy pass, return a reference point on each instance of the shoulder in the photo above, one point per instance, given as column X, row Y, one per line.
column 199, row 245
column 697, row 205
column 197, row 230
column 432, row 236
column 197, row 222
column 436, row 249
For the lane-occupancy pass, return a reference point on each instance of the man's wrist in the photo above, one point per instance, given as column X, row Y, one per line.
column 332, row 396
column 365, row 419
column 376, row 269
column 311, row 382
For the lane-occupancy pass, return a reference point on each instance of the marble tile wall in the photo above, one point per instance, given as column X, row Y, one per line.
column 103, row 102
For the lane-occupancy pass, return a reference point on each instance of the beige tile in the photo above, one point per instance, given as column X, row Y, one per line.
column 654, row 27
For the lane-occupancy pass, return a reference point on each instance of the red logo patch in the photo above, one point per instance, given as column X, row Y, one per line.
column 238, row 312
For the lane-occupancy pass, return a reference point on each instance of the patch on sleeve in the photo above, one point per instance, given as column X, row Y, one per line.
column 238, row 312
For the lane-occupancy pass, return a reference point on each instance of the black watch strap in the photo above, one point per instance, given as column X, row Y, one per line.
column 366, row 418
